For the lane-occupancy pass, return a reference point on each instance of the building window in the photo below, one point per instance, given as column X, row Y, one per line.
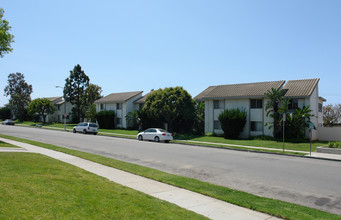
column 102, row 106
column 293, row 104
column 58, row 106
column 218, row 104
column 256, row 126
column 217, row 125
column 119, row 121
column 256, row 103
column 141, row 106
column 320, row 107
column 119, row 106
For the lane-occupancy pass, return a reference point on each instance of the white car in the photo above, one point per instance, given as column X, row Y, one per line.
column 155, row 134
column 86, row 127
column 8, row 122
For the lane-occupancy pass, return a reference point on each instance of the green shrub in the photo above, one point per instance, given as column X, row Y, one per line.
column 5, row 113
column 232, row 121
column 334, row 144
column 106, row 119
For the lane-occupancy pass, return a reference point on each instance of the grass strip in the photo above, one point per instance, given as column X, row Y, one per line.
column 271, row 206
column 256, row 142
column 242, row 148
column 35, row 186
column 3, row 144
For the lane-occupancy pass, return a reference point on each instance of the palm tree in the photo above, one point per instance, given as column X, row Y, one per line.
column 132, row 119
column 275, row 107
column 298, row 122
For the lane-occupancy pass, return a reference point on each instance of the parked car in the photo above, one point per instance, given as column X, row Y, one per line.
column 86, row 127
column 8, row 122
column 155, row 134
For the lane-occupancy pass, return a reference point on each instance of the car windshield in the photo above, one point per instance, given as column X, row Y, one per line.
column 162, row 130
column 93, row 125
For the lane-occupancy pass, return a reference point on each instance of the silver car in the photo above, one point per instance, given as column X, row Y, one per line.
column 8, row 122
column 155, row 134
column 86, row 127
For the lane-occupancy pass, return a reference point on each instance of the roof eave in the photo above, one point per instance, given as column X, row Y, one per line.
column 235, row 97
column 140, row 92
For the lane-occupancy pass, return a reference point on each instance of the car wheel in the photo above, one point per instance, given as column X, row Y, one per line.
column 74, row 130
column 95, row 133
column 166, row 141
column 84, row 131
column 156, row 139
column 140, row 138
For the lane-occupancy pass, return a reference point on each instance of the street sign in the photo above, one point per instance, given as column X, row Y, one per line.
column 311, row 126
column 284, row 117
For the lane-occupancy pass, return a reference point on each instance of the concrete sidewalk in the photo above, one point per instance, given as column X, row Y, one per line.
column 204, row 205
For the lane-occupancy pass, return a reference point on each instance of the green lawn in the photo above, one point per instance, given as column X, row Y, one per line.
column 271, row 206
column 38, row 187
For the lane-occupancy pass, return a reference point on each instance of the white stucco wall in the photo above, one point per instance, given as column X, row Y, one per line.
column 209, row 116
column 329, row 133
column 127, row 106
column 256, row 115
column 54, row 117
column 313, row 102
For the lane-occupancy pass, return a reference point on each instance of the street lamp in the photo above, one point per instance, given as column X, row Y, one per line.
column 64, row 108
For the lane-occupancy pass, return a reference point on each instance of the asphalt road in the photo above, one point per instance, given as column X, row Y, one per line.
column 309, row 182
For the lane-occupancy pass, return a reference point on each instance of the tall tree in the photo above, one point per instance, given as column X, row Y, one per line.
column 93, row 93
column 91, row 113
column 199, row 121
column 74, row 90
column 20, row 94
column 273, row 108
column 41, row 107
column 172, row 104
column 5, row 37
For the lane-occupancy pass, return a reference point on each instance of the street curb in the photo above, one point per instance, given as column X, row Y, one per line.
column 322, row 158
column 207, row 146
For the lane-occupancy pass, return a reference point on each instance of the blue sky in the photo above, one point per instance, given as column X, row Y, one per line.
column 142, row 45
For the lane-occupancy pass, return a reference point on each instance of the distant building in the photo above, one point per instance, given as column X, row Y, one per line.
column 58, row 115
column 139, row 103
column 252, row 98
column 121, row 104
